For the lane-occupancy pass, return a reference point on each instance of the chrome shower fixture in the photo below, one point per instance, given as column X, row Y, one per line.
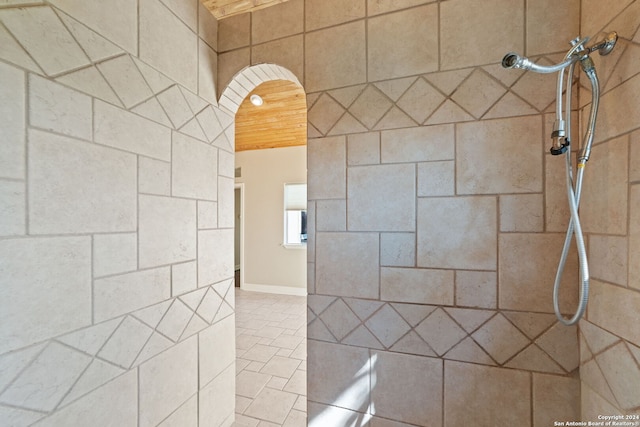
column 578, row 52
column 561, row 137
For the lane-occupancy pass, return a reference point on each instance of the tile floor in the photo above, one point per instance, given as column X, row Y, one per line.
column 271, row 360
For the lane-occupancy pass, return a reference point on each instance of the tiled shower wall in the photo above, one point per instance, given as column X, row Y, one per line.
column 437, row 216
column 610, row 336
column 116, row 205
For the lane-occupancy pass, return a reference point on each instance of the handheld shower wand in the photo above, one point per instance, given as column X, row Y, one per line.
column 561, row 137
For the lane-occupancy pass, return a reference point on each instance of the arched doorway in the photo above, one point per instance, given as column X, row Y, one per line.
column 270, row 153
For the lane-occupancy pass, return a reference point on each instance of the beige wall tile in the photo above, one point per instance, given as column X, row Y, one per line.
column 167, row 44
column 615, row 309
column 12, row 208
column 323, row 13
column 376, row 7
column 12, row 122
column 43, row 35
column 476, row 289
column 325, row 113
column 186, row 10
column 403, row 43
column 363, row 148
column 327, row 173
column 117, row 21
column 287, row 53
column 561, row 343
column 59, row 109
column 194, row 168
column 347, row 258
column 483, row 166
column 281, row 20
column 381, row 198
column 500, row 338
column 599, row 14
column 527, row 285
column 608, row 256
column 622, row 374
column 370, row 106
column 522, row 213
column 453, row 246
column 117, row 295
column 478, row 93
column 175, row 105
column 634, row 237
column 398, row 249
column 207, row 215
column 461, row 22
column 207, row 26
column 126, row 80
column 35, row 389
column 331, row 215
column 343, row 47
column 175, row 373
column 167, row 230
column 619, row 99
column 184, row 277
column 234, row 32
column 63, row 200
column 186, row 415
column 217, row 400
column 420, row 100
column 555, row 398
column 634, row 155
column 121, row 129
column 407, row 388
column 420, row 286
column 418, row 144
column 113, row 403
column 154, row 176
column 126, row 342
column 593, row 404
column 215, row 356
column 440, row 331
column 436, row 179
column 95, row 46
column 215, row 256
column 65, row 264
column 551, row 32
column 556, row 204
column 338, row 375
column 464, row 382
column 229, row 64
column 603, row 207
column 13, row 53
column 226, row 202
column 114, row 253
column 207, row 73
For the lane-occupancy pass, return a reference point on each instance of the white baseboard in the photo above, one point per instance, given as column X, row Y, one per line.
column 271, row 289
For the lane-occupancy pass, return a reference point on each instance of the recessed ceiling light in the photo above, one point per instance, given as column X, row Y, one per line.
column 256, row 100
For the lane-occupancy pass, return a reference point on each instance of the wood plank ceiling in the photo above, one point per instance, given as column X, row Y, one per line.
column 281, row 121
column 225, row 8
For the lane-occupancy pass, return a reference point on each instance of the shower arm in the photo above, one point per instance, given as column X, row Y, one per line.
column 577, row 52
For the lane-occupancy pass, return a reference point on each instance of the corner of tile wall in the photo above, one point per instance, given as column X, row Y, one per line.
column 113, row 173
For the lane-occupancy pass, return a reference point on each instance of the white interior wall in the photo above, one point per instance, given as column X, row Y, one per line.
column 268, row 265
